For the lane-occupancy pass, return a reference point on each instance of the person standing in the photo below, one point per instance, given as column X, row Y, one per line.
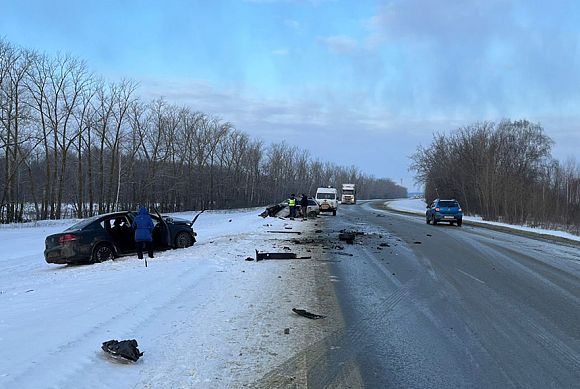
column 292, row 206
column 143, row 226
column 304, row 206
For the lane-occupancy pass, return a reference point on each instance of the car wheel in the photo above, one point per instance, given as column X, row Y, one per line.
column 183, row 240
column 434, row 222
column 103, row 252
column 334, row 213
column 459, row 223
column 312, row 214
column 427, row 220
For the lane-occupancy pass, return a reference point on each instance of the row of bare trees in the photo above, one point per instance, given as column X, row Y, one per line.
column 72, row 144
column 504, row 172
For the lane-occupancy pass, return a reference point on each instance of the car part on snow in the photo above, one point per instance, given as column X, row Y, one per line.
column 125, row 349
column 272, row 210
column 307, row 314
column 260, row 256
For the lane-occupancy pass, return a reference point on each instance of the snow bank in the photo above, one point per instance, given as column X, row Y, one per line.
column 204, row 317
column 418, row 206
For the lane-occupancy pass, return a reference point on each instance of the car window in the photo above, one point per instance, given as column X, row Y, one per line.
column 448, row 204
column 83, row 224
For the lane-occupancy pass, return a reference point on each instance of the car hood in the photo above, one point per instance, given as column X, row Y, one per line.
column 176, row 220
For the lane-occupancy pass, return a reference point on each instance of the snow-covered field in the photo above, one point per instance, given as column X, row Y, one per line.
column 418, row 207
column 204, row 317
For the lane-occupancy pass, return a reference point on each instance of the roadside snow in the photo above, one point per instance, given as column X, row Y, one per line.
column 204, row 317
column 418, row 206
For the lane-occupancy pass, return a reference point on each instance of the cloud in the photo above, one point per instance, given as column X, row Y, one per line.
column 280, row 52
column 293, row 24
column 339, row 43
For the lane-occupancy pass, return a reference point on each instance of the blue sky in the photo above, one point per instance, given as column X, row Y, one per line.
column 355, row 82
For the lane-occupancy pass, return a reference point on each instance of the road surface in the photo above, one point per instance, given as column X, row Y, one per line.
column 447, row 307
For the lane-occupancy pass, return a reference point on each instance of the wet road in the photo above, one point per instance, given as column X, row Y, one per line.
column 446, row 307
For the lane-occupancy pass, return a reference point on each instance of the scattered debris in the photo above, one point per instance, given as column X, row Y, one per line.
column 125, row 349
column 417, row 242
column 285, row 232
column 287, row 227
column 384, row 244
column 260, row 256
column 272, row 210
column 286, row 331
column 249, row 259
column 307, row 314
column 30, row 290
column 347, row 237
column 429, row 235
column 318, row 231
column 229, row 221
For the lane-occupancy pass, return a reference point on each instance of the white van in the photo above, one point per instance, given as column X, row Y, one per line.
column 327, row 198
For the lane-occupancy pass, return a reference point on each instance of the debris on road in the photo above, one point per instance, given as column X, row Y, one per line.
column 125, row 350
column 384, row 244
column 307, row 314
column 286, row 331
column 261, row 256
column 417, row 242
column 285, row 232
column 347, row 237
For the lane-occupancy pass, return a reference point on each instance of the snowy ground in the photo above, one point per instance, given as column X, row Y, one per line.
column 418, row 207
column 204, row 317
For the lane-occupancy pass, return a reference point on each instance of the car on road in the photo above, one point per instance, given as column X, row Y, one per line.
column 313, row 209
column 103, row 237
column 444, row 211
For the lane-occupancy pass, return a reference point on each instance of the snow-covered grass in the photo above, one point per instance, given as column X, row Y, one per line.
column 418, row 206
column 204, row 317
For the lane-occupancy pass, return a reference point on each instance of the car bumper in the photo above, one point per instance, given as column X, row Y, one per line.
column 447, row 218
column 63, row 255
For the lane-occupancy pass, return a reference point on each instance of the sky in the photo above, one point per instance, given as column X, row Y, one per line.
column 354, row 82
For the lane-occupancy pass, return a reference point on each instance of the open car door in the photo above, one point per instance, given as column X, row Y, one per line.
column 163, row 236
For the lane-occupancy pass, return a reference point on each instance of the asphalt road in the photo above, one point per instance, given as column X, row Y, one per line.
column 448, row 307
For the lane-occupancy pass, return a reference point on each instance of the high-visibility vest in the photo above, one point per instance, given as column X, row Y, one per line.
column 291, row 202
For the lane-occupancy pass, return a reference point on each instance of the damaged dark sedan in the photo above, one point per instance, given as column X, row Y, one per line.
column 104, row 237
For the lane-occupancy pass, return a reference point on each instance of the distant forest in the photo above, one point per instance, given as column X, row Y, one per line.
column 503, row 172
column 72, row 145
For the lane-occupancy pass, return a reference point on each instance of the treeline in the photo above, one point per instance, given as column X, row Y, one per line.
column 72, row 144
column 504, row 172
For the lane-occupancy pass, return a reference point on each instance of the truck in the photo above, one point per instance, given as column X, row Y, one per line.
column 327, row 199
column 348, row 194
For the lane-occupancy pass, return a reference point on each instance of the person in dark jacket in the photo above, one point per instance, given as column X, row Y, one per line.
column 143, row 226
column 304, row 206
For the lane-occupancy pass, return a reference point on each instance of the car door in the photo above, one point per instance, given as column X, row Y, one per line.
column 161, row 233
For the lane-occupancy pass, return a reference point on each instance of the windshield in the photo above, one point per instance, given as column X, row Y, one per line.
column 348, row 192
column 326, row 196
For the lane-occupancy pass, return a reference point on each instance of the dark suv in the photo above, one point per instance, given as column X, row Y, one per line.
column 444, row 211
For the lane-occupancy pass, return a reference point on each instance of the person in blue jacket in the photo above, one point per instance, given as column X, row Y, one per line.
column 143, row 226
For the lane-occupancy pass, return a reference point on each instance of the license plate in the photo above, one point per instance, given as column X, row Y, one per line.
column 448, row 217
column 324, row 206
